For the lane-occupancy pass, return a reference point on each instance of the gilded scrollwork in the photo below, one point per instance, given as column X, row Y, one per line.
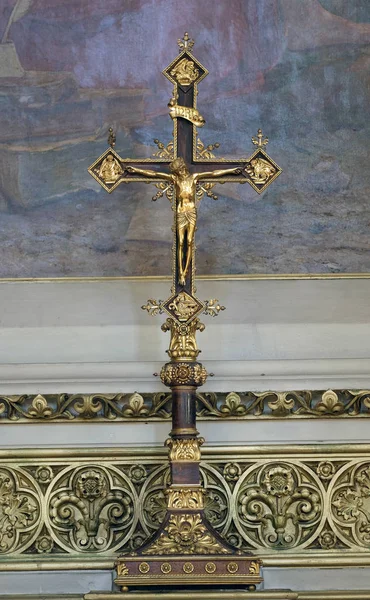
column 20, row 511
column 39, row 408
column 164, row 151
column 91, row 508
column 350, row 502
column 135, row 407
column 279, row 506
column 216, row 507
column 205, row 187
column 330, row 403
column 185, row 112
column 203, row 152
column 210, row 405
column 255, row 501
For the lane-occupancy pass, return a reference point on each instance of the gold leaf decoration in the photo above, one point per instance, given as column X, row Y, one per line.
column 210, row 405
column 39, row 408
column 135, row 407
column 270, row 502
column 330, row 404
column 186, row 534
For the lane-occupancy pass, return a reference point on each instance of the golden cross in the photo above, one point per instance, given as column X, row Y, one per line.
column 192, row 169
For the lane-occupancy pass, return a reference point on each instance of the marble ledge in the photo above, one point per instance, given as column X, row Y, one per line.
column 130, row 376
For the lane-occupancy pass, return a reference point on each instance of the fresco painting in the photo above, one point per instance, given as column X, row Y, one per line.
column 69, row 69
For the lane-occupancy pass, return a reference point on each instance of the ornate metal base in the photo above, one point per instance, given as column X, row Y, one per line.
column 189, row 571
column 187, row 551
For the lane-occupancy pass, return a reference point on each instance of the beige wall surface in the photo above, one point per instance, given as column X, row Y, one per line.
column 88, row 336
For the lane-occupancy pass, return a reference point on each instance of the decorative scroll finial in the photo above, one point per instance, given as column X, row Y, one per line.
column 260, row 141
column 111, row 138
column 186, row 43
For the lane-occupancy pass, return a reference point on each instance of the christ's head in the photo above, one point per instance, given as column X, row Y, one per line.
column 178, row 167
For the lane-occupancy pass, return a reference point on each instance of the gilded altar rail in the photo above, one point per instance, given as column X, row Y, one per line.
column 337, row 404
column 292, row 505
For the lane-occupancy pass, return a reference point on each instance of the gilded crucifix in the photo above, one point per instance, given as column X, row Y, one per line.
column 185, row 190
column 186, row 550
column 193, row 170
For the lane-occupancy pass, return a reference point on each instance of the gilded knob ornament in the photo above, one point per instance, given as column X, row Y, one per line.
column 188, row 567
column 232, row 567
column 181, row 373
column 210, row 567
column 144, row 568
column 166, row 568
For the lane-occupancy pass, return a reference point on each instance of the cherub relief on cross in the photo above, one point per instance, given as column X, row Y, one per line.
column 192, row 171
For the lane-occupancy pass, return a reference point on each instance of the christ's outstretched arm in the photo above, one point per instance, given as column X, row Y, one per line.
column 149, row 173
column 217, row 173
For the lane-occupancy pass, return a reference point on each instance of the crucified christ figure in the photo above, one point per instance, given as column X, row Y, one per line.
column 186, row 212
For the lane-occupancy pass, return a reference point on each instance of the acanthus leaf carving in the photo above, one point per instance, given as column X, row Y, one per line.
column 186, row 534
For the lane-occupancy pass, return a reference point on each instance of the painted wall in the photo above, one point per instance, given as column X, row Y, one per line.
column 71, row 68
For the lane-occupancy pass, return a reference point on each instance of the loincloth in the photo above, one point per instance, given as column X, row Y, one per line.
column 186, row 218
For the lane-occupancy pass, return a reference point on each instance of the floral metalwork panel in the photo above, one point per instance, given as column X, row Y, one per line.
column 210, row 405
column 277, row 501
